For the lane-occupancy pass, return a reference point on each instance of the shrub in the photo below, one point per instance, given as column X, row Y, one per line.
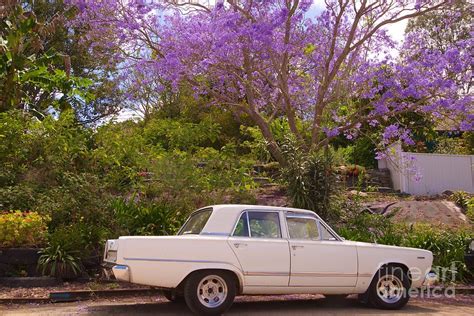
column 22, row 229
column 58, row 262
column 310, row 179
column 82, row 238
column 145, row 218
column 470, row 209
column 360, row 152
column 366, row 227
column 465, row 201
column 463, row 145
column 460, row 198
column 448, row 246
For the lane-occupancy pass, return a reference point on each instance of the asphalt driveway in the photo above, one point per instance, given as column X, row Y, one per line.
column 256, row 305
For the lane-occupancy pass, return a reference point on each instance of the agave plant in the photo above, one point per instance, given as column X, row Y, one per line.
column 60, row 263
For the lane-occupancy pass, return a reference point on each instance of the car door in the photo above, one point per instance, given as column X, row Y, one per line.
column 318, row 258
column 262, row 252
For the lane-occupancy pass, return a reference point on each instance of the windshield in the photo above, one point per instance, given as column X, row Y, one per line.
column 195, row 222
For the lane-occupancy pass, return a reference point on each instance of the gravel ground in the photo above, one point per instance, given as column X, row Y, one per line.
column 43, row 292
column 246, row 305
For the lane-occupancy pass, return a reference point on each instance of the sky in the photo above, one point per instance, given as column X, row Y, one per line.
column 396, row 31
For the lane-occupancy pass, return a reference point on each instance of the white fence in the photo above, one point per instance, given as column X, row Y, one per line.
column 437, row 172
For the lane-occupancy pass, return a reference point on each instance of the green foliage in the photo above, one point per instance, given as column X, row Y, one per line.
column 470, row 210
column 310, row 179
column 465, row 201
column 22, row 229
column 146, row 218
column 461, row 198
column 363, row 226
column 363, row 153
column 57, row 262
column 463, row 145
column 360, row 152
column 172, row 134
column 79, row 238
column 30, row 77
column 448, row 246
column 68, row 246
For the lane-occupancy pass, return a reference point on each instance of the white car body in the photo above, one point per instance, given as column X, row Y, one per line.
column 281, row 265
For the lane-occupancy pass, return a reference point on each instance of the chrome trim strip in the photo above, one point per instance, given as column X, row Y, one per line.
column 248, row 223
column 300, row 286
column 324, row 274
column 302, row 274
column 365, row 275
column 175, row 260
column 266, row 274
column 213, row 234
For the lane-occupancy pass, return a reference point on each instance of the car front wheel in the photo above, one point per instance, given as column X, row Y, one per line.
column 209, row 292
column 390, row 288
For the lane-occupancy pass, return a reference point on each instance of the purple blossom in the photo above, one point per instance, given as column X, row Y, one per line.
column 240, row 56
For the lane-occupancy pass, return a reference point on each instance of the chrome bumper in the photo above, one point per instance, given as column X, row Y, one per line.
column 431, row 278
column 121, row 272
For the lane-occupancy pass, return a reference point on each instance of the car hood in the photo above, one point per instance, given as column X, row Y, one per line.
column 359, row 244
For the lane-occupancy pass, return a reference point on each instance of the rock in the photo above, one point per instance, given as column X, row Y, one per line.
column 359, row 193
column 447, row 193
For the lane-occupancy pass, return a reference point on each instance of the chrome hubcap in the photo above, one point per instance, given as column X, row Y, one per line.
column 390, row 289
column 212, row 291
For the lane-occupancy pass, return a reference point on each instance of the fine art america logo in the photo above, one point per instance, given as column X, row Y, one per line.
column 431, row 281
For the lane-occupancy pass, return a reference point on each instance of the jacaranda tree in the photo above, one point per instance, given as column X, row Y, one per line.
column 325, row 75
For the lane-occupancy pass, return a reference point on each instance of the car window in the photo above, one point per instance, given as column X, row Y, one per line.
column 242, row 228
column 326, row 234
column 303, row 228
column 264, row 224
column 196, row 222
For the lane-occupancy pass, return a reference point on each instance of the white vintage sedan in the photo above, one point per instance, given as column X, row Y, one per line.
column 227, row 250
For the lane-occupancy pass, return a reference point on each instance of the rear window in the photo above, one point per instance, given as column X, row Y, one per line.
column 196, row 222
column 258, row 225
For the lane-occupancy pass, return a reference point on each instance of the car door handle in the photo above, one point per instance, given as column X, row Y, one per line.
column 240, row 244
column 296, row 246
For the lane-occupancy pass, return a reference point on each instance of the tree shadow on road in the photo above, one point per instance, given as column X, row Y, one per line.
column 318, row 306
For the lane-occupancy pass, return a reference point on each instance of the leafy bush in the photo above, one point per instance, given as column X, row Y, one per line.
column 363, row 153
column 470, row 209
column 174, row 134
column 463, row 145
column 310, row 179
column 448, row 246
column 145, row 218
column 58, row 262
column 460, row 198
column 465, row 201
column 22, row 229
column 357, row 224
column 360, row 152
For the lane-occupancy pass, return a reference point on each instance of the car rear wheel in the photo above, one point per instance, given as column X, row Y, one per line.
column 390, row 288
column 209, row 292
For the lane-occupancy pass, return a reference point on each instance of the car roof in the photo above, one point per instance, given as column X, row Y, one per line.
column 225, row 216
